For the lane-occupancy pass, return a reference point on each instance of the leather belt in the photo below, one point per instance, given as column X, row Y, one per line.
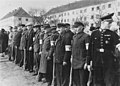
column 101, row 50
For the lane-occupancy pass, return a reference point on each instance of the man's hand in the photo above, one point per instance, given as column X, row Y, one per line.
column 48, row 58
column 15, row 46
column 33, row 38
column 30, row 48
column 85, row 66
column 40, row 53
column 89, row 67
column 64, row 63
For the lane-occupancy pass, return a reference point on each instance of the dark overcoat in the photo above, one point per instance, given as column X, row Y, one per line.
column 102, row 47
column 3, row 39
column 23, row 41
column 79, row 50
column 44, row 54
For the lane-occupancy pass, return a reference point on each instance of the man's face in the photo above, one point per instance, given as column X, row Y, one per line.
column 35, row 29
column 11, row 29
column 105, row 25
column 23, row 28
column 61, row 29
column 79, row 29
column 29, row 27
column 19, row 28
column 14, row 30
column 67, row 28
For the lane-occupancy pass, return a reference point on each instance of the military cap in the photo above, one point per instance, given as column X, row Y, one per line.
column 60, row 25
column 36, row 25
column 107, row 17
column 3, row 30
column 67, row 24
column 21, row 25
column 53, row 26
column 77, row 24
column 46, row 26
column 10, row 27
column 15, row 27
column 29, row 24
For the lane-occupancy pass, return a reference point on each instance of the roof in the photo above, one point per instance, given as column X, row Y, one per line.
column 75, row 5
column 20, row 12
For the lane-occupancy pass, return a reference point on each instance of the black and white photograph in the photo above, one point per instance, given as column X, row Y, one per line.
column 59, row 42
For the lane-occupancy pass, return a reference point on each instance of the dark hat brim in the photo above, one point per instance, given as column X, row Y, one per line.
column 107, row 17
column 77, row 24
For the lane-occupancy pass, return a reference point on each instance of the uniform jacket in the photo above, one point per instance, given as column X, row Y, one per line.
column 17, row 38
column 44, row 55
column 2, row 42
column 13, row 38
column 79, row 51
column 59, row 49
column 29, row 40
column 53, row 38
column 67, row 41
column 23, row 41
column 106, row 40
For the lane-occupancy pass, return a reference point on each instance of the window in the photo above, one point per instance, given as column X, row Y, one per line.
column 92, row 8
column 98, row 8
column 73, row 19
column 109, row 5
column 73, row 12
column 64, row 20
column 85, row 18
column 19, row 19
column 80, row 11
column 26, row 19
column 67, row 20
column 64, row 14
column 103, row 7
column 61, row 20
column 92, row 17
column 68, row 14
column 81, row 18
column 85, row 10
column 118, row 13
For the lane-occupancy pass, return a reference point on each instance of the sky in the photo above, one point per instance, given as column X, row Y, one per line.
column 7, row 6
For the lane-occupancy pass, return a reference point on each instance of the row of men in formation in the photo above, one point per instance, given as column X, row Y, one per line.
column 62, row 58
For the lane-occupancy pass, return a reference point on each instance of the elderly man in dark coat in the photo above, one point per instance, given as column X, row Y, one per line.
column 10, row 42
column 44, row 53
column 3, row 41
column 59, row 53
column 17, row 39
column 102, row 46
column 23, row 45
column 29, row 48
column 36, row 46
column 13, row 42
column 79, row 53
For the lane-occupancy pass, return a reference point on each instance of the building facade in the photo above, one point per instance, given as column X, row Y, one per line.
column 85, row 10
column 14, row 18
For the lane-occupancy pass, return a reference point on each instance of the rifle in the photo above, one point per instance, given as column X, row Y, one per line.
column 53, row 80
column 70, row 81
column 90, row 76
column 24, row 58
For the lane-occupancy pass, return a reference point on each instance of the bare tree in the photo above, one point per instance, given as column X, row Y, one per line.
column 37, row 14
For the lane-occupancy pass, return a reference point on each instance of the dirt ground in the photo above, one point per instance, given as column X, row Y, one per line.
column 13, row 75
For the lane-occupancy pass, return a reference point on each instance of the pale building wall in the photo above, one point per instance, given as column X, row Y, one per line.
column 22, row 20
column 5, row 23
column 14, row 21
column 76, row 13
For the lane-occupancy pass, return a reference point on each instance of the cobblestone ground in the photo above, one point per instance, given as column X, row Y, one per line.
column 13, row 75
